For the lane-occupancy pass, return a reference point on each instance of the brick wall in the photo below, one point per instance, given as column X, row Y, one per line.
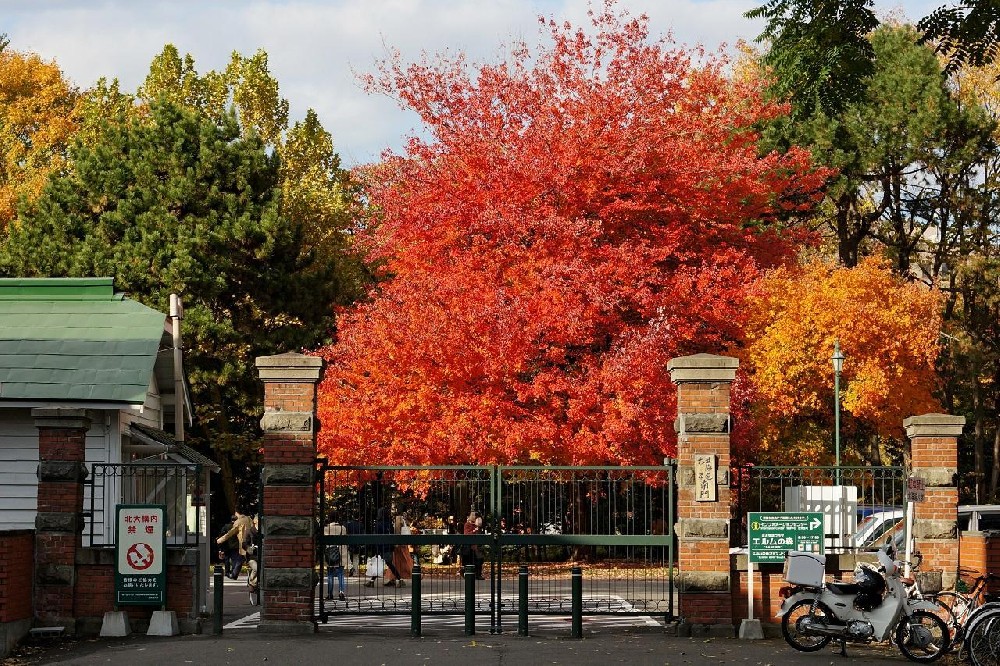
column 289, row 500
column 979, row 554
column 62, row 435
column 703, row 394
column 934, row 458
column 17, row 556
column 289, row 452
column 766, row 583
column 95, row 589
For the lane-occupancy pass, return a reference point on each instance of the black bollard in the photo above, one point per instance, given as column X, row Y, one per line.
column 577, row 593
column 470, row 600
column 415, row 600
column 522, row 600
column 218, row 586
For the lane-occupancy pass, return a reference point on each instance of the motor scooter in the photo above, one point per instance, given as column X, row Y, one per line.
column 874, row 607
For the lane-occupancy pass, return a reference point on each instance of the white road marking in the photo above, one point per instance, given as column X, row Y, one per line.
column 536, row 621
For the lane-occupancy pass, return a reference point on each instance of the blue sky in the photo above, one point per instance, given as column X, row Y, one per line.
column 316, row 47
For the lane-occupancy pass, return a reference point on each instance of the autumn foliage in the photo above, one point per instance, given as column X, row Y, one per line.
column 888, row 331
column 579, row 216
column 37, row 120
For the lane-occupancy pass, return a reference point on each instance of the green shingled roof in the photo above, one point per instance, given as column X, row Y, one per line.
column 75, row 339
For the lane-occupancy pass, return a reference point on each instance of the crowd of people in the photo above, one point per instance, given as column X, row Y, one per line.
column 388, row 561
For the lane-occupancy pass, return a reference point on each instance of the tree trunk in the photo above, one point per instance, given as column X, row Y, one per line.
column 978, row 443
column 995, row 475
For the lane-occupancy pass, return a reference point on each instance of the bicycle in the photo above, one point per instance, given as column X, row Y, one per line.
column 945, row 612
column 963, row 605
column 982, row 643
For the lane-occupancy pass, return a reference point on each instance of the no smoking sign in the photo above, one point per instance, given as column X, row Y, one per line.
column 140, row 576
column 140, row 556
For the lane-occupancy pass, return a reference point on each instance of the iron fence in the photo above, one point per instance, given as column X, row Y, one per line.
column 614, row 522
column 852, row 500
column 178, row 486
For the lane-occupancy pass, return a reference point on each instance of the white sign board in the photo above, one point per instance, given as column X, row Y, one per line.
column 140, row 572
column 705, row 478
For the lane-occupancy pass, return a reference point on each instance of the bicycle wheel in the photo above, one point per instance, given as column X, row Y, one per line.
column 923, row 637
column 982, row 613
column 792, row 621
column 983, row 640
column 955, row 611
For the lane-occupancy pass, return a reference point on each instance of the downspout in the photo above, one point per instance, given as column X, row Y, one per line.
column 201, row 547
column 176, row 314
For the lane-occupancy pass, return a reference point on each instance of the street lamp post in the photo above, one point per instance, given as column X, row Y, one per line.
column 838, row 365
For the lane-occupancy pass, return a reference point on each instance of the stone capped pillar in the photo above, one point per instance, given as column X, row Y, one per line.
column 289, row 470
column 62, row 437
column 703, row 426
column 934, row 458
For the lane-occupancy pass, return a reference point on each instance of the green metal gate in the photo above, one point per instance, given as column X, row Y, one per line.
column 614, row 523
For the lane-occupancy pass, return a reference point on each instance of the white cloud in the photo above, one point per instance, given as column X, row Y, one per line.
column 316, row 46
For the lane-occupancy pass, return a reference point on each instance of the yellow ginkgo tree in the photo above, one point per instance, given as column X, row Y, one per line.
column 888, row 329
column 37, row 120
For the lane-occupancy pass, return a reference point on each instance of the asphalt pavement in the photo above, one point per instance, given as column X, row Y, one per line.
column 378, row 641
column 375, row 648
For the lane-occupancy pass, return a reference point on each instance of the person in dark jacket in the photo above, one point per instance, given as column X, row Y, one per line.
column 384, row 525
column 471, row 554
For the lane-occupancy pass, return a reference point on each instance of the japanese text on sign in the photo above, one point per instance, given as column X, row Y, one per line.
column 771, row 534
column 705, row 481
column 140, row 574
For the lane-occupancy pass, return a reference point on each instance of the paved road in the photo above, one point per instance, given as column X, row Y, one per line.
column 386, row 641
column 375, row 646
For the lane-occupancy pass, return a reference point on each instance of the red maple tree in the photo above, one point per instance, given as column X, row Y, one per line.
column 579, row 216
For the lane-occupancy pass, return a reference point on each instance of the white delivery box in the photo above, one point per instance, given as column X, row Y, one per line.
column 805, row 568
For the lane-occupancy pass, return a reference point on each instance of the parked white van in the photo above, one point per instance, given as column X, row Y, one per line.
column 875, row 525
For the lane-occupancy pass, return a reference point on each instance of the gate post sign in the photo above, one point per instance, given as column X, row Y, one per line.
column 140, row 555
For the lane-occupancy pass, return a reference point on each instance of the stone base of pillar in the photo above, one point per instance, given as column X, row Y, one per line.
column 115, row 625
column 751, row 630
column 699, row 630
column 11, row 633
column 287, row 627
column 163, row 623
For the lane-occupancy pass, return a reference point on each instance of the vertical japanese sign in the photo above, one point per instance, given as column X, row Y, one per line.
column 140, row 555
column 705, row 480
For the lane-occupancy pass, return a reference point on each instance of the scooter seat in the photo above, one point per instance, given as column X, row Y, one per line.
column 838, row 587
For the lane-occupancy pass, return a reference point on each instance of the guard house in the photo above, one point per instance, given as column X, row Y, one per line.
column 93, row 397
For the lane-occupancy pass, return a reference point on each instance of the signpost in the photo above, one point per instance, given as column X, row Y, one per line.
column 916, row 490
column 140, row 555
column 771, row 534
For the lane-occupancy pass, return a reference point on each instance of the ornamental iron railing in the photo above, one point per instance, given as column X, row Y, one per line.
column 613, row 522
column 861, row 506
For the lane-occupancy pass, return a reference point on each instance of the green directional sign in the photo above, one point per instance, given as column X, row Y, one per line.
column 771, row 534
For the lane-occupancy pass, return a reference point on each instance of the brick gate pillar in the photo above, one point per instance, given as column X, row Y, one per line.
column 703, row 506
column 934, row 458
column 62, row 438
column 289, row 550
